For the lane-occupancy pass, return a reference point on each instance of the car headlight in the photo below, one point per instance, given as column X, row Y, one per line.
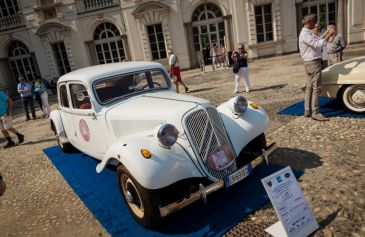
column 167, row 134
column 240, row 104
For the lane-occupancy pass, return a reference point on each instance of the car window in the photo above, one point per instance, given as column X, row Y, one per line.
column 63, row 97
column 110, row 89
column 80, row 97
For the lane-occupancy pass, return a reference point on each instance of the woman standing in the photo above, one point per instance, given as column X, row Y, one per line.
column 240, row 57
column 41, row 89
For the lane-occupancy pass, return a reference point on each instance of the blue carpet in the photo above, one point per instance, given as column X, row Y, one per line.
column 100, row 193
column 327, row 106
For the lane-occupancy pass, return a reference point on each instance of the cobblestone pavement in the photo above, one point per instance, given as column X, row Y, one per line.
column 39, row 202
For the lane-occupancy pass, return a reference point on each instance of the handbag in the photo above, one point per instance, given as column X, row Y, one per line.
column 236, row 67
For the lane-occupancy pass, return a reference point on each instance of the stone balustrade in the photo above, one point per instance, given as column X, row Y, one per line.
column 9, row 22
column 92, row 5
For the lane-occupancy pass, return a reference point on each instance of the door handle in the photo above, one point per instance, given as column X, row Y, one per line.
column 93, row 115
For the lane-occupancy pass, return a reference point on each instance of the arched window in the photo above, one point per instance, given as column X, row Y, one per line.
column 108, row 44
column 21, row 61
column 208, row 26
column 206, row 11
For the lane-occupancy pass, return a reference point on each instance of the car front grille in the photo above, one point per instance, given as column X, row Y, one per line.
column 206, row 132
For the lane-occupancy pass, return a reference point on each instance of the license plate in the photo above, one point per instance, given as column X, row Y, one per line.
column 237, row 176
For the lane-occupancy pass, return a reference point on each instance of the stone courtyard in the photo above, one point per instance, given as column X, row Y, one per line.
column 39, row 202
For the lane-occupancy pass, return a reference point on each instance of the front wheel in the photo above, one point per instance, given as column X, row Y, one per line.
column 65, row 147
column 141, row 202
column 353, row 98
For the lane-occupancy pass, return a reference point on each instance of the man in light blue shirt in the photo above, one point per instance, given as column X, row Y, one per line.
column 6, row 105
column 25, row 91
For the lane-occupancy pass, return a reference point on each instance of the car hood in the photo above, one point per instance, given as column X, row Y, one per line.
column 144, row 113
column 351, row 71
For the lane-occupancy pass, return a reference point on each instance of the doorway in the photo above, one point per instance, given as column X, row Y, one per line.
column 208, row 29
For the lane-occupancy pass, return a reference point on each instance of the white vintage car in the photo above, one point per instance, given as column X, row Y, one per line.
column 346, row 81
column 170, row 149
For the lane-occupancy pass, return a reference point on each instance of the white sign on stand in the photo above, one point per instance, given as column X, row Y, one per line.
column 295, row 216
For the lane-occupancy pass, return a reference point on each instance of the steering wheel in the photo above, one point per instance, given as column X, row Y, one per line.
column 154, row 83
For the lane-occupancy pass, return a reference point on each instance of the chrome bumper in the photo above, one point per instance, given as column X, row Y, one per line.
column 204, row 191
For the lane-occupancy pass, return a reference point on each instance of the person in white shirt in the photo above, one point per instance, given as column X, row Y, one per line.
column 175, row 70
column 310, row 46
column 317, row 31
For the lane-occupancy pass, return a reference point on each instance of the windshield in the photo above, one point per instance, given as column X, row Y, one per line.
column 118, row 86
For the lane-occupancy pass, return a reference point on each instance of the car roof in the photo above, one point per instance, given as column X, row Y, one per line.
column 89, row 74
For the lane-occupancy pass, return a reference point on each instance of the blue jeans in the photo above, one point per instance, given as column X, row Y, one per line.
column 28, row 100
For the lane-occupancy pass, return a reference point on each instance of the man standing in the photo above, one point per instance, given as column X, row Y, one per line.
column 310, row 46
column 25, row 91
column 6, row 105
column 336, row 45
column 175, row 70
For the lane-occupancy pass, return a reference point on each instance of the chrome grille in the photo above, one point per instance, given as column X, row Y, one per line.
column 207, row 134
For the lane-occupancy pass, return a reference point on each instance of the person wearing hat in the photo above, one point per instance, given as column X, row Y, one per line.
column 25, row 91
column 240, row 57
column 175, row 70
column 310, row 47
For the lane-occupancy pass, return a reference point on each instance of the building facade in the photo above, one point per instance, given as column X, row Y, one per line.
column 52, row 37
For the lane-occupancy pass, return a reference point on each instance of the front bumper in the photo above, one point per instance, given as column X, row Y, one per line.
column 204, row 191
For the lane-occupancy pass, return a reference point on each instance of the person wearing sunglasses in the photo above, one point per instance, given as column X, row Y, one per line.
column 240, row 59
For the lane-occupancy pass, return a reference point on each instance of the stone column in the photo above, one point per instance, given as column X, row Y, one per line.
column 227, row 27
column 192, row 54
column 340, row 17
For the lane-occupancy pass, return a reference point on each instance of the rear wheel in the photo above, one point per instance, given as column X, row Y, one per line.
column 141, row 202
column 353, row 98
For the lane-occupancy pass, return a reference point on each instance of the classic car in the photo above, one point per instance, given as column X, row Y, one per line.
column 346, row 81
column 170, row 149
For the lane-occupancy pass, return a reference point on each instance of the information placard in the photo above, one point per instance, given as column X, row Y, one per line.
column 289, row 203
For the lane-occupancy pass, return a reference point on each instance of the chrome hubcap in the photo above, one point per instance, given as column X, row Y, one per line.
column 129, row 197
column 132, row 196
column 358, row 97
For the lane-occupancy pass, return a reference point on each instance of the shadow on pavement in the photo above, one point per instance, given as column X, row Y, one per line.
column 328, row 220
column 40, row 141
column 202, row 89
column 280, row 86
column 295, row 158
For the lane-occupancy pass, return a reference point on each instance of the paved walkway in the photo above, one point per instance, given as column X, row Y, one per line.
column 39, row 202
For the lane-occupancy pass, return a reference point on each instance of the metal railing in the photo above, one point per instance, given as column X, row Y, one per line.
column 83, row 6
column 9, row 22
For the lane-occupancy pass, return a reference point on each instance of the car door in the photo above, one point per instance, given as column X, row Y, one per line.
column 66, row 113
column 89, row 128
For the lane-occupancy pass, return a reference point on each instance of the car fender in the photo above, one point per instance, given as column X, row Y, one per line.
column 244, row 128
column 56, row 120
column 166, row 165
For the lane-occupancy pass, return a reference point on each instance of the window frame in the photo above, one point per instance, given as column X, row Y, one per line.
column 14, row 7
column 62, row 69
column 156, row 41
column 72, row 96
column 163, row 72
column 264, row 32
column 104, row 35
column 314, row 3
column 60, row 96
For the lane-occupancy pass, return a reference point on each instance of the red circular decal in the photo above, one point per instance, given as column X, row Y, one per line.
column 84, row 129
